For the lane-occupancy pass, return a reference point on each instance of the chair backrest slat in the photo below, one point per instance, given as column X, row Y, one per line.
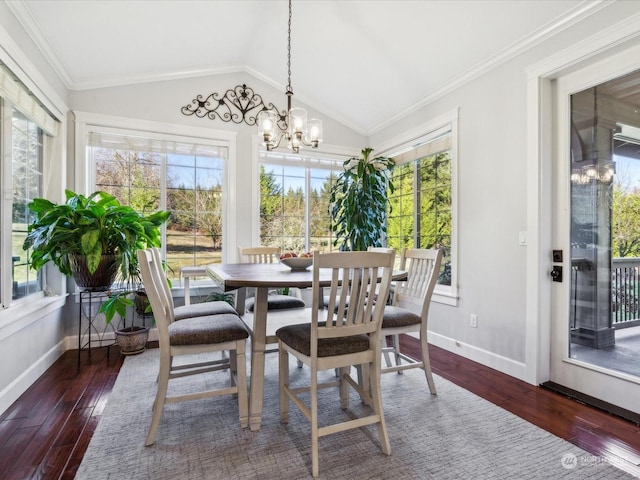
column 152, row 280
column 158, row 271
column 360, row 283
column 258, row 254
column 422, row 267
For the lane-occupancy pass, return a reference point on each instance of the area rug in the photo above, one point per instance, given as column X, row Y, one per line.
column 454, row 435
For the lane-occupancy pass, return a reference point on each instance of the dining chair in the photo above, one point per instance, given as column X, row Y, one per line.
column 275, row 300
column 191, row 310
column 409, row 310
column 338, row 341
column 195, row 335
column 188, row 311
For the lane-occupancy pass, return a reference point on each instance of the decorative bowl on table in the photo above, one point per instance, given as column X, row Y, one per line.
column 297, row 263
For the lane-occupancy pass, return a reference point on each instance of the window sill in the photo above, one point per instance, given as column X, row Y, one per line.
column 17, row 317
column 444, row 298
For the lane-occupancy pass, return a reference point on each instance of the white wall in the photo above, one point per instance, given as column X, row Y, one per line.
column 492, row 200
column 491, row 213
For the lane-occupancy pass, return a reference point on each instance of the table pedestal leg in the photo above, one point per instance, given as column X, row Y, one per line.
column 257, row 358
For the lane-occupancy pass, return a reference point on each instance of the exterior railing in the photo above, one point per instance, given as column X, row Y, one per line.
column 625, row 292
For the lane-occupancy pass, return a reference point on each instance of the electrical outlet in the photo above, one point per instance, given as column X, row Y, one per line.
column 473, row 321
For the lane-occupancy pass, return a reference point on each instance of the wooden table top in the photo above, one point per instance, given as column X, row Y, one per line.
column 273, row 275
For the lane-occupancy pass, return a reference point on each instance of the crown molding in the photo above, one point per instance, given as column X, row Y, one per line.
column 24, row 16
column 17, row 61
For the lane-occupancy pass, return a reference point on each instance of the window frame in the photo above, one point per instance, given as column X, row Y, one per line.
column 326, row 151
column 39, row 172
column 86, row 174
column 45, row 277
column 311, row 160
column 29, row 88
column 412, row 139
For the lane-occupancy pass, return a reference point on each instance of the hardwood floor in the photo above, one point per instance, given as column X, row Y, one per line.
column 45, row 433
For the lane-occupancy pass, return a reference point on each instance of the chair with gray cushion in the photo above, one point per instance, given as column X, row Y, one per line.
column 195, row 335
column 338, row 341
column 275, row 301
column 409, row 310
column 191, row 310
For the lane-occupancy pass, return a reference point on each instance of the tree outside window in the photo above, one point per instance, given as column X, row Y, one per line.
column 26, row 165
column 420, row 214
column 294, row 206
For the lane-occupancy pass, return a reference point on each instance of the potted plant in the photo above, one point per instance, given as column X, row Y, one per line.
column 94, row 239
column 359, row 202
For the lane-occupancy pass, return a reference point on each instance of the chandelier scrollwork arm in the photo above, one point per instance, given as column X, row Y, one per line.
column 237, row 105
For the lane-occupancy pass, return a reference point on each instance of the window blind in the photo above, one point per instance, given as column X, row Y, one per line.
column 14, row 91
column 158, row 144
column 424, row 146
column 322, row 161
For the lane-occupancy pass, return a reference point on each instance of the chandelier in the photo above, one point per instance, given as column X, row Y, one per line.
column 292, row 124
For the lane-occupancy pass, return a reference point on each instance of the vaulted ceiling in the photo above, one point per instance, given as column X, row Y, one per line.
column 364, row 63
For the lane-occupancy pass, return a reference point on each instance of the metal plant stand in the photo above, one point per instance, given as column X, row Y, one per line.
column 90, row 301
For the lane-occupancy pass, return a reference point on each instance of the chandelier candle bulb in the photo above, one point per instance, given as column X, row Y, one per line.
column 315, row 131
column 266, row 124
column 298, row 118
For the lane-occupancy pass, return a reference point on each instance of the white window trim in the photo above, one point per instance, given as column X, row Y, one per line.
column 85, row 173
column 445, row 294
column 52, row 149
column 28, row 310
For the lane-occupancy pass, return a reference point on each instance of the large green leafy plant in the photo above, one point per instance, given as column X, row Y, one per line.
column 91, row 227
column 359, row 202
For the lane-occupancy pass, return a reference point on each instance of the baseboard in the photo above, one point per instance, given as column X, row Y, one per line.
column 20, row 385
column 497, row 362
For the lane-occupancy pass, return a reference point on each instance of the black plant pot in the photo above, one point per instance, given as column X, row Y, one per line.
column 101, row 279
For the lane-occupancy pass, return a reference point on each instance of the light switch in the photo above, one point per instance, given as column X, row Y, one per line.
column 522, row 238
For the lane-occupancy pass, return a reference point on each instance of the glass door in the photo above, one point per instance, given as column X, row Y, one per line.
column 596, row 326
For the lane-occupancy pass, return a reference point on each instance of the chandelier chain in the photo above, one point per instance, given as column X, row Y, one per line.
column 289, row 88
column 291, row 125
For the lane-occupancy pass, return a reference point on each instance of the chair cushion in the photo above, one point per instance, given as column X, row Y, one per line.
column 202, row 309
column 325, row 302
column 395, row 317
column 278, row 302
column 224, row 327
column 298, row 337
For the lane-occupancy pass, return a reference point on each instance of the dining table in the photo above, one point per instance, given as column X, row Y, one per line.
column 263, row 277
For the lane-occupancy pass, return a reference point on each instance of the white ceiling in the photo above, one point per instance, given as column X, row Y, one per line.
column 364, row 63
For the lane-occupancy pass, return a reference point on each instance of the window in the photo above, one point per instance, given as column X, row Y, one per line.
column 423, row 203
column 26, row 164
column 294, row 201
column 26, row 134
column 185, row 176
